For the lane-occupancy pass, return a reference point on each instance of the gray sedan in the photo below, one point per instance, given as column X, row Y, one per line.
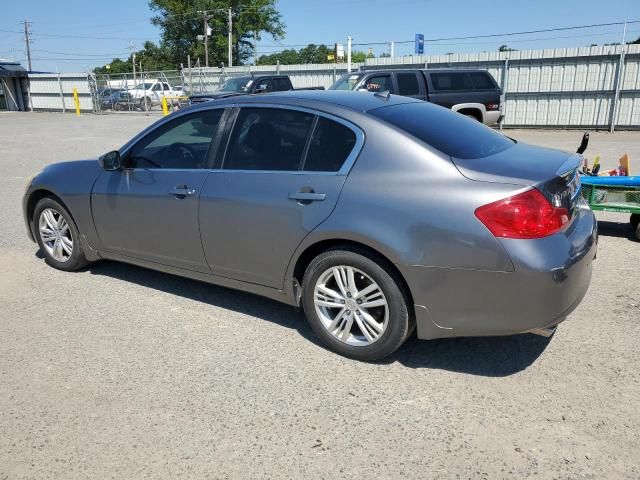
column 378, row 215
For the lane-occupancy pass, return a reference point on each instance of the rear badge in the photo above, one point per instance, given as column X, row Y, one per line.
column 573, row 188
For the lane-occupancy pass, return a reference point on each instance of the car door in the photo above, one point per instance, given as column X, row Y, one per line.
column 149, row 209
column 156, row 92
column 280, row 178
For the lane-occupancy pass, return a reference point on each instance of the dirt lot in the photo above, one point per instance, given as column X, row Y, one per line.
column 121, row 372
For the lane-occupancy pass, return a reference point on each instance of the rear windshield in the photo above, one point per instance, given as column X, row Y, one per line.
column 451, row 133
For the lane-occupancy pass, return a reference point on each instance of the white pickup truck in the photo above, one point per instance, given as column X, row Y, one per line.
column 146, row 94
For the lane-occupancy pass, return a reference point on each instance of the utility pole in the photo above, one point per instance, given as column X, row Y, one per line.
column 230, row 36
column 27, row 42
column 205, row 19
column 133, row 60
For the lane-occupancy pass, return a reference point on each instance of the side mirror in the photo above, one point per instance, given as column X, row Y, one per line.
column 110, row 161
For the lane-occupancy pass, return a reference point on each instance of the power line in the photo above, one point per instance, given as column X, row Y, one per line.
column 510, row 34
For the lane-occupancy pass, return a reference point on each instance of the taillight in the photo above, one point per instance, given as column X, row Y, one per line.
column 526, row 215
column 492, row 106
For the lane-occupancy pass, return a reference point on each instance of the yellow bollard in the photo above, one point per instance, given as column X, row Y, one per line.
column 76, row 100
column 165, row 107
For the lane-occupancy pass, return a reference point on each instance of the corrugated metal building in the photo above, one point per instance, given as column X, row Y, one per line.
column 13, row 86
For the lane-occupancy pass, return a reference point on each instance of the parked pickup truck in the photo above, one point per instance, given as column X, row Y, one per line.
column 470, row 92
column 248, row 84
column 146, row 94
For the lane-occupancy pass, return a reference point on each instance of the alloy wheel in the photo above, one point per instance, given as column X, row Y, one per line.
column 351, row 305
column 55, row 235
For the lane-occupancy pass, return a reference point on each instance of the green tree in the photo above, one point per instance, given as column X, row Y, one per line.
column 358, row 57
column 152, row 57
column 181, row 23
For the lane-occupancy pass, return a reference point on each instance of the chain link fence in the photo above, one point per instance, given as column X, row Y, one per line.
column 140, row 92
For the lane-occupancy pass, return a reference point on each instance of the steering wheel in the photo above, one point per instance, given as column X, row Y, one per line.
column 183, row 153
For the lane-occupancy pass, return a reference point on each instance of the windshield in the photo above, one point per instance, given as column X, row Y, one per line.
column 238, row 84
column 346, row 82
column 451, row 133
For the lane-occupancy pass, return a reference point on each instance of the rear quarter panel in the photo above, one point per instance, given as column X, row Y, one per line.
column 413, row 206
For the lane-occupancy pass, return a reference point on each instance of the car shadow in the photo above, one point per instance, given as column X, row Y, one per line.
column 616, row 229
column 483, row 356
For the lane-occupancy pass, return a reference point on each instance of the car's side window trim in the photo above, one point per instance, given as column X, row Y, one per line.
column 131, row 147
column 307, row 143
column 346, row 165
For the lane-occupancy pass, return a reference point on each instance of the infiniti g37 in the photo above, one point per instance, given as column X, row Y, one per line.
column 378, row 215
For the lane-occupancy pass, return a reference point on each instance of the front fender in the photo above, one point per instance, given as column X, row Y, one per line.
column 71, row 182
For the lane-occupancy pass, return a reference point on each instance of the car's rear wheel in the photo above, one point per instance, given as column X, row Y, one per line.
column 355, row 306
column 57, row 236
column 635, row 220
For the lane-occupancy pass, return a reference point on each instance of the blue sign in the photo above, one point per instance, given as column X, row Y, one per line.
column 419, row 43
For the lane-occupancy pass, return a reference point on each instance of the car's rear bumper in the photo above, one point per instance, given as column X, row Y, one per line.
column 492, row 117
column 550, row 279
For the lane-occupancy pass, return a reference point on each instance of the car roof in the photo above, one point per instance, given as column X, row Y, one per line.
column 428, row 70
column 358, row 101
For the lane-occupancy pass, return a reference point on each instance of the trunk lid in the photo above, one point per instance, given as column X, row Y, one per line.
column 553, row 172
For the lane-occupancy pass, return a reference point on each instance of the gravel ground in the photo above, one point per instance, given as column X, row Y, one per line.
column 121, row 372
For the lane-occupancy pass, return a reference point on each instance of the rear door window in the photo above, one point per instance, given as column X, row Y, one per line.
column 331, row 144
column 280, row 84
column 407, row 84
column 451, row 81
column 268, row 139
column 482, row 81
column 444, row 130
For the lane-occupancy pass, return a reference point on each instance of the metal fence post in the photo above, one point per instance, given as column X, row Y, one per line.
column 64, row 108
column 505, row 71
column 616, row 96
column 278, row 67
column 190, row 78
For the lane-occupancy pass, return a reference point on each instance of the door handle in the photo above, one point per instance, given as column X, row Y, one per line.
column 182, row 191
column 307, row 196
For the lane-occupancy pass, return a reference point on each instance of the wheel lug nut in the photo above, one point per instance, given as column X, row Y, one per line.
column 348, row 312
column 349, row 295
column 342, row 301
column 359, row 302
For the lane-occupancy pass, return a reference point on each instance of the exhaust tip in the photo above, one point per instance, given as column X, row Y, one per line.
column 544, row 332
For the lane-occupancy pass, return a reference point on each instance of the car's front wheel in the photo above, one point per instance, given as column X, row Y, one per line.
column 355, row 306
column 58, row 236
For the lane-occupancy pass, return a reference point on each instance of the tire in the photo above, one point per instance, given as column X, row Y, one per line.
column 58, row 258
column 472, row 117
column 393, row 321
column 634, row 220
column 638, row 232
column 145, row 104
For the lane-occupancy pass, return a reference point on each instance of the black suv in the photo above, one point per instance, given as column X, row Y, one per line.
column 470, row 92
